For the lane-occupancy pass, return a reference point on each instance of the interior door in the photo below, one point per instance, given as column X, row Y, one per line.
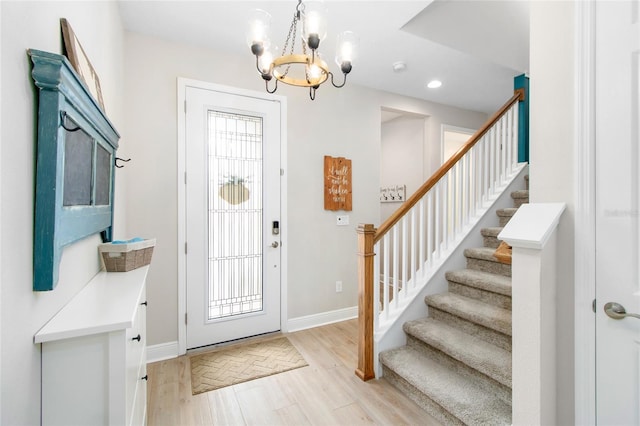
column 617, row 207
column 232, row 216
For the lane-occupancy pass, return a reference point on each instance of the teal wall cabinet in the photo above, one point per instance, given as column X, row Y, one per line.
column 74, row 165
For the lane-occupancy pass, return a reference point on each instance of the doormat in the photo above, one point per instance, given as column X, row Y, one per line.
column 238, row 364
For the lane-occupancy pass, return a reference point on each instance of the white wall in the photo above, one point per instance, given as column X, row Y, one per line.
column 403, row 142
column 23, row 312
column 340, row 122
column 552, row 168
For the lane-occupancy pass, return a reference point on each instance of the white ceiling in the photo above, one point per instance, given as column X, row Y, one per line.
column 475, row 47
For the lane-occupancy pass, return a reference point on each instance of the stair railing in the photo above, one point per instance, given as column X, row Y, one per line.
column 396, row 260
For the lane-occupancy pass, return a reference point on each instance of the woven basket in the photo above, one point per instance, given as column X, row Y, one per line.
column 126, row 257
column 503, row 253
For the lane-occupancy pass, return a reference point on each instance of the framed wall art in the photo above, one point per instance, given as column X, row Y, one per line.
column 80, row 62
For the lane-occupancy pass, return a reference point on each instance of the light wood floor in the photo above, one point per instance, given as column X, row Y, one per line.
column 326, row 392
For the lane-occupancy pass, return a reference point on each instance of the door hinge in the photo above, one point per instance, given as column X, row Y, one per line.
column 185, row 106
column 593, row 306
column 185, row 318
column 281, row 172
column 185, row 178
column 185, row 248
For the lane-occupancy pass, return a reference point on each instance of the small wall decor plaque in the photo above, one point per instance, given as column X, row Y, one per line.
column 393, row 194
column 337, row 183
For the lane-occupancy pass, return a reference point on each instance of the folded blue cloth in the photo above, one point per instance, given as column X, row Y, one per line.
column 133, row 240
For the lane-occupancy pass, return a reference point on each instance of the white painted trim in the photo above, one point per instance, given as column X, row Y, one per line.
column 182, row 233
column 182, row 84
column 284, row 217
column 584, row 195
column 323, row 318
column 162, row 351
column 532, row 225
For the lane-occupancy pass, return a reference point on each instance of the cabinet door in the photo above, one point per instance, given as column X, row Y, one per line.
column 136, row 364
column 75, row 380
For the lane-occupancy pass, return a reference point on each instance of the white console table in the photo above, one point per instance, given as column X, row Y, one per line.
column 94, row 354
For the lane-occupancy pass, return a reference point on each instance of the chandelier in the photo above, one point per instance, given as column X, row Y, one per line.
column 305, row 69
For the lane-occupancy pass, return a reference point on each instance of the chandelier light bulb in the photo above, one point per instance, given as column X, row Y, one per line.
column 346, row 50
column 258, row 28
column 315, row 72
column 265, row 60
column 314, row 24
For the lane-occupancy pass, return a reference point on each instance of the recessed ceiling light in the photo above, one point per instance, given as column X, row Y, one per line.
column 434, row 84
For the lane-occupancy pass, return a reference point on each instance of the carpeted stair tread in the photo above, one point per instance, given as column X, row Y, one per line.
column 476, row 353
column 454, row 393
column 489, row 316
column 506, row 212
column 520, row 197
column 521, row 193
column 491, row 231
column 490, row 236
column 482, row 253
column 504, row 215
column 483, row 280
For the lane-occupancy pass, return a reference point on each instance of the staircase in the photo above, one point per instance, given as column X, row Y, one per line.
column 457, row 361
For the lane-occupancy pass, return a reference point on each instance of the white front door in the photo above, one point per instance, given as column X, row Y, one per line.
column 232, row 199
column 617, row 237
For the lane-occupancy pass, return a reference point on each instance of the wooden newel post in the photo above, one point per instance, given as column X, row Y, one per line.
column 366, row 234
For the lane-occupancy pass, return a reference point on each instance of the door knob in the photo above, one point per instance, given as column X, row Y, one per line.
column 275, row 244
column 616, row 311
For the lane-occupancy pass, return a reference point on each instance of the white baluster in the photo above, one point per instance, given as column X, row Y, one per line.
column 385, row 275
column 505, row 141
column 421, row 238
column 492, row 161
column 453, row 201
column 446, row 211
column 472, row 182
column 438, row 221
column 485, row 166
column 414, row 247
column 514, row 137
column 430, row 235
column 509, row 141
column 376, row 286
column 396, row 264
column 405, row 261
column 465, row 188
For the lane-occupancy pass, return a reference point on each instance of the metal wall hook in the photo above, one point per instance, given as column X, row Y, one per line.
column 63, row 116
column 121, row 159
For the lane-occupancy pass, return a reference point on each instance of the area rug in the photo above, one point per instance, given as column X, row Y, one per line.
column 226, row 367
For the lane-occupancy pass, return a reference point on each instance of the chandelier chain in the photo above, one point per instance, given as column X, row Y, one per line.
column 293, row 29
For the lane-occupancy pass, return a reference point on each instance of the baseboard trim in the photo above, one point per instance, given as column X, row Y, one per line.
column 324, row 318
column 169, row 350
column 162, row 352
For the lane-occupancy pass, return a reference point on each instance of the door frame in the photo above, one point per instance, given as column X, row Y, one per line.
column 585, row 215
column 182, row 84
column 451, row 128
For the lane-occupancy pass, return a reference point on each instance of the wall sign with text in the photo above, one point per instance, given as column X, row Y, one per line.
column 337, row 183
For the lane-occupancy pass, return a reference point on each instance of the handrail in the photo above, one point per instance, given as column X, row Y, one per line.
column 519, row 95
